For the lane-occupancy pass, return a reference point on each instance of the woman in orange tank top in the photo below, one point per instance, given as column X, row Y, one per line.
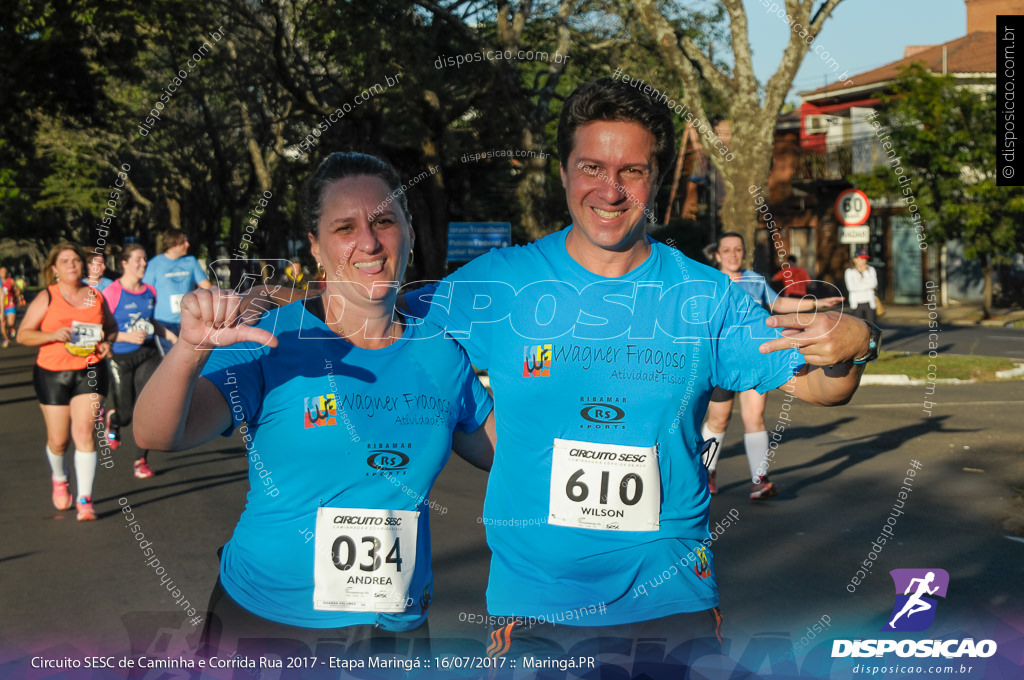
column 73, row 328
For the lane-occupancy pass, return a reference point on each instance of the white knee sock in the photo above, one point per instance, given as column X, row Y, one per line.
column 712, row 462
column 85, row 471
column 56, row 465
column 756, row 444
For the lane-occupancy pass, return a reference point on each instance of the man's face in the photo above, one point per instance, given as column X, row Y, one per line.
column 179, row 250
column 610, row 177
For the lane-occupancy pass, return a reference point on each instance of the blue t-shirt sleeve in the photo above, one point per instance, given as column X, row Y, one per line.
column 770, row 296
column 151, row 271
column 237, row 371
column 739, row 331
column 467, row 304
column 476, row 403
column 197, row 271
column 418, row 302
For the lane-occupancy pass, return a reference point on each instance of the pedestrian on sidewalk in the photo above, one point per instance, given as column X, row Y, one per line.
column 861, row 284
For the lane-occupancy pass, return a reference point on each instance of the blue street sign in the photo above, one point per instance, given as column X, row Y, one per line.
column 467, row 240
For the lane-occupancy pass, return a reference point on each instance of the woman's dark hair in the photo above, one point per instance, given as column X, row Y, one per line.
column 605, row 99
column 733, row 234
column 122, row 254
column 340, row 165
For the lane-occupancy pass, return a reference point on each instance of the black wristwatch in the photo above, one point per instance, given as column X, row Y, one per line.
column 874, row 345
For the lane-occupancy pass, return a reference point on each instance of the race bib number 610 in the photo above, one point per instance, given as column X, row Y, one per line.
column 605, row 486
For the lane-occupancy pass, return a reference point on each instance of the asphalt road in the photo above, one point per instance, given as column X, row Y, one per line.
column 786, row 563
column 983, row 340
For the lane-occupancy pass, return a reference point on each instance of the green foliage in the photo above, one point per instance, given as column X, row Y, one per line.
column 83, row 77
column 943, row 132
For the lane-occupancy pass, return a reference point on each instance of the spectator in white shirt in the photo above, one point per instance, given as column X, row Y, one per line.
column 861, row 283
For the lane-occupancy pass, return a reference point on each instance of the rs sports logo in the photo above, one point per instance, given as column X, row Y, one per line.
column 602, row 413
column 385, row 459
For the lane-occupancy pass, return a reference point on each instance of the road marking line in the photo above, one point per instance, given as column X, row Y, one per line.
column 945, row 403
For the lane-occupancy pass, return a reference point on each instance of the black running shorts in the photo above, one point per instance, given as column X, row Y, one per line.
column 718, row 394
column 56, row 388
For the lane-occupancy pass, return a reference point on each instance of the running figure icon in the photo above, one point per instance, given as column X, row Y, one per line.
column 915, row 604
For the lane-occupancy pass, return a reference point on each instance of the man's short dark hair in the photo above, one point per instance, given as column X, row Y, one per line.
column 171, row 238
column 791, row 259
column 605, row 99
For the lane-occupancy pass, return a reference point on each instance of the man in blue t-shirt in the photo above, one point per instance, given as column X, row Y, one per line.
column 173, row 274
column 602, row 348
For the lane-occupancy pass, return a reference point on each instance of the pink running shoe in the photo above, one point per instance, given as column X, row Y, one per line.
column 142, row 469
column 85, row 511
column 61, row 496
column 763, row 489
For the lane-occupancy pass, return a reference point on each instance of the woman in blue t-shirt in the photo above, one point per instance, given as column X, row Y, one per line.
column 136, row 354
column 729, row 255
column 349, row 413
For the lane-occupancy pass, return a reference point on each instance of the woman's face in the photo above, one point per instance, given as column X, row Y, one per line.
column 68, row 267
column 96, row 267
column 363, row 254
column 730, row 254
column 135, row 265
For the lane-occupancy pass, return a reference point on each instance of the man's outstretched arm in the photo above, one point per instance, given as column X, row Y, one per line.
column 829, row 343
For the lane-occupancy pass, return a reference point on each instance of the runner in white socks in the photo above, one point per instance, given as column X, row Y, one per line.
column 70, row 324
column 729, row 255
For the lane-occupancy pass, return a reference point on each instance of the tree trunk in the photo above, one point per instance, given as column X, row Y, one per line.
column 753, row 119
column 431, row 242
column 530, row 189
column 748, row 170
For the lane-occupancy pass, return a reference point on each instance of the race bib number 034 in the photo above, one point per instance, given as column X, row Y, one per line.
column 364, row 559
column 605, row 486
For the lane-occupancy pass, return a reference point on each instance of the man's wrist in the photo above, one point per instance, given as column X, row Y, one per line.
column 874, row 345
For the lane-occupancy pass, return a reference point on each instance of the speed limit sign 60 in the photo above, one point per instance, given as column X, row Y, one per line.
column 852, row 208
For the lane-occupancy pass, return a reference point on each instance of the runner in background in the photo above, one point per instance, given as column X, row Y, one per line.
column 12, row 299
column 71, row 325
column 729, row 255
column 4, row 294
column 294, row 276
column 97, row 272
column 136, row 355
column 794, row 279
column 173, row 274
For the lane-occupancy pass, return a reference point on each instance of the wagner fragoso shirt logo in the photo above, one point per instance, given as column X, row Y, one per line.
column 916, row 590
column 320, row 411
column 536, row 361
